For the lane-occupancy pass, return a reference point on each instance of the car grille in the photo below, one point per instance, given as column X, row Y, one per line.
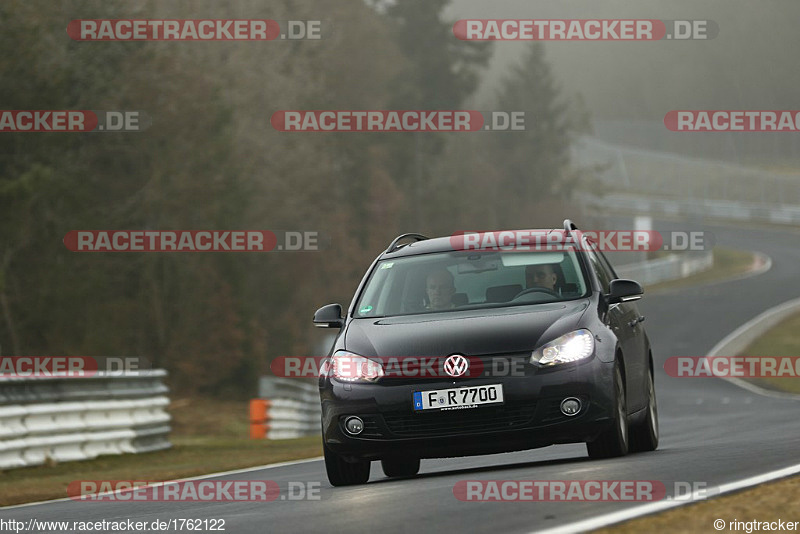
column 551, row 409
column 371, row 428
column 475, row 420
column 490, row 365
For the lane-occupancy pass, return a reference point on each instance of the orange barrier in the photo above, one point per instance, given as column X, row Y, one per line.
column 258, row 418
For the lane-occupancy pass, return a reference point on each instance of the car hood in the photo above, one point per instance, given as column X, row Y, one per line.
column 469, row 332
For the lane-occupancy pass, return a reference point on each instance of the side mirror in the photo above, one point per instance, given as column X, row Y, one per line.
column 621, row 290
column 329, row 316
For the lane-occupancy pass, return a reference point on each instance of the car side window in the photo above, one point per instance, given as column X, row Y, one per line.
column 607, row 265
column 599, row 269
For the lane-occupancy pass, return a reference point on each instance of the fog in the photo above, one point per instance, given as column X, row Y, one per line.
column 752, row 64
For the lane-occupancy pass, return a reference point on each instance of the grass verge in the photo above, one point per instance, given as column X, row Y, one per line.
column 768, row 502
column 208, row 436
column 781, row 340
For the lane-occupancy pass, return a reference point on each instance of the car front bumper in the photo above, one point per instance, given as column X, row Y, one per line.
column 530, row 416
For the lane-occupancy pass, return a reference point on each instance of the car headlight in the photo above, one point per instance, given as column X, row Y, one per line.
column 350, row 367
column 571, row 347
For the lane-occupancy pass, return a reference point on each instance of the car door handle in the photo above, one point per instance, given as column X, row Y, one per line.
column 636, row 321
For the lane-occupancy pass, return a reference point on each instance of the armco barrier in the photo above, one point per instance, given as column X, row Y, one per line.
column 718, row 209
column 671, row 267
column 286, row 408
column 64, row 419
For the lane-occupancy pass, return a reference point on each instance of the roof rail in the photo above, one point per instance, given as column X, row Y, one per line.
column 569, row 228
column 394, row 244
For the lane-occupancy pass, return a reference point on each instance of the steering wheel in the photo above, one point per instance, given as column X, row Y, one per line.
column 537, row 290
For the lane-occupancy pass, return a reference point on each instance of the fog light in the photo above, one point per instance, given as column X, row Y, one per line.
column 570, row 406
column 354, row 425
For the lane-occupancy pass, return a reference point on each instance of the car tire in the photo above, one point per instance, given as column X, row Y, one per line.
column 644, row 435
column 342, row 472
column 613, row 442
column 400, row 467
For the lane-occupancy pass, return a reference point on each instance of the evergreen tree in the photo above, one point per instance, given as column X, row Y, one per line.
column 536, row 160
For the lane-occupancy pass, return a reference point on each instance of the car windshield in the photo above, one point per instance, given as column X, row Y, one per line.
column 447, row 281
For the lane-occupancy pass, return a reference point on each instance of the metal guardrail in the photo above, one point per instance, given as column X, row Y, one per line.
column 65, row 419
column 672, row 267
column 286, row 409
column 718, row 209
column 655, row 173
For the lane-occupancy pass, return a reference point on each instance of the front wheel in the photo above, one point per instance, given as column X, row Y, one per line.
column 644, row 435
column 344, row 473
column 614, row 441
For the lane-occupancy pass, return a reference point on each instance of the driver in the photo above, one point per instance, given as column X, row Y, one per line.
column 440, row 288
column 543, row 276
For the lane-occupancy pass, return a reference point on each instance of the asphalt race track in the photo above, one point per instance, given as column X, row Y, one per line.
column 711, row 432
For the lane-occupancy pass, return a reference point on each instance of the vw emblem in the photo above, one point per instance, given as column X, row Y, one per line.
column 456, row 365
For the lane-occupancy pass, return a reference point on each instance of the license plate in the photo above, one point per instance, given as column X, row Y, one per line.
column 458, row 398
